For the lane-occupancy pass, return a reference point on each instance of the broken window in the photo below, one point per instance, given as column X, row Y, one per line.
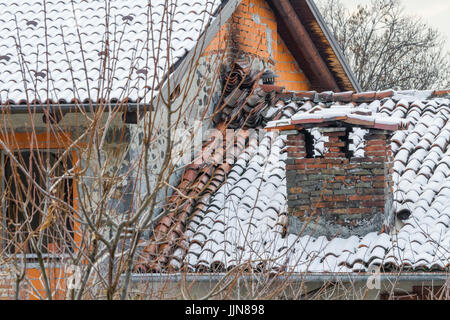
column 30, row 214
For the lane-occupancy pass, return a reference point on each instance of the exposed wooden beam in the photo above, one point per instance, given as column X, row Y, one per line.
column 303, row 47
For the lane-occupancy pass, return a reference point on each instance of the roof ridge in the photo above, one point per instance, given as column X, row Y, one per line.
column 364, row 97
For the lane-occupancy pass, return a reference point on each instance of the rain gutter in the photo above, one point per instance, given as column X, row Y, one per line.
column 72, row 108
column 294, row 278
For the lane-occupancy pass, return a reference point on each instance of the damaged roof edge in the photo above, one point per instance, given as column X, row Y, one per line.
column 334, row 45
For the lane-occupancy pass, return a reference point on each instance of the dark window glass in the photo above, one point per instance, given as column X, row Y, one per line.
column 29, row 214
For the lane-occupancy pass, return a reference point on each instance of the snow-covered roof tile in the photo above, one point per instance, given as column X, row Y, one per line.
column 61, row 46
column 423, row 184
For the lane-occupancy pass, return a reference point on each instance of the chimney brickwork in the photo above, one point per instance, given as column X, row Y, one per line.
column 340, row 195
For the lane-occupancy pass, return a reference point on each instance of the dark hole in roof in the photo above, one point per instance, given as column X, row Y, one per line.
column 128, row 18
column 39, row 74
column 142, row 71
column 404, row 214
column 103, row 53
column 32, row 23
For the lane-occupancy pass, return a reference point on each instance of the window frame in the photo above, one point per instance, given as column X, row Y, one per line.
column 48, row 142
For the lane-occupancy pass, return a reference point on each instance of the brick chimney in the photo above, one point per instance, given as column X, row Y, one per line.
column 339, row 194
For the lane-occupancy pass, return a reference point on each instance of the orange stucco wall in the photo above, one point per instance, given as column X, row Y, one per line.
column 253, row 30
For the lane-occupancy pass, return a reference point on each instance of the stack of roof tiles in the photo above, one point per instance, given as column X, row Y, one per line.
column 54, row 50
column 198, row 182
column 244, row 221
column 244, row 98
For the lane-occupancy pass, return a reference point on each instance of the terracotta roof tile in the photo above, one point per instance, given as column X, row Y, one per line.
column 244, row 220
column 199, row 183
column 22, row 23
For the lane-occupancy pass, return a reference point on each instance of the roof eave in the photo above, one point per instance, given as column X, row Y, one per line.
column 304, row 49
column 334, row 45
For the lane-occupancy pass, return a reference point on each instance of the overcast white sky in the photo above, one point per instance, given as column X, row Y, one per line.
column 435, row 12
